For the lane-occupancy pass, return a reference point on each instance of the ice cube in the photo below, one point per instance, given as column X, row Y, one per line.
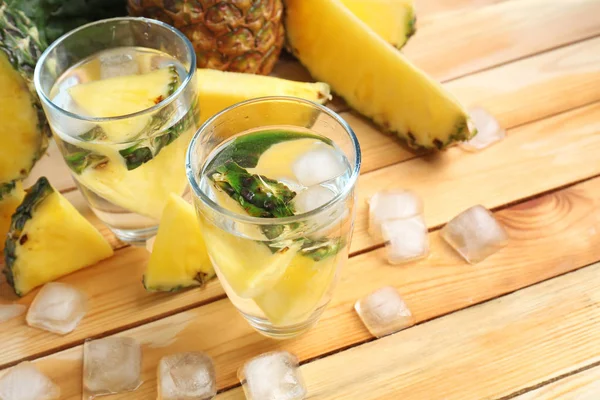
column 26, row 382
column 489, row 130
column 57, row 308
column 118, row 64
column 406, row 239
column 320, row 164
column 111, row 365
column 312, row 198
column 273, row 375
column 387, row 205
column 475, row 234
column 384, row 312
column 10, row 311
column 186, row 376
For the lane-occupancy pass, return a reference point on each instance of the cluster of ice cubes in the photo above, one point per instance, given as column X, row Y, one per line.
column 489, row 130
column 384, row 312
column 272, row 376
column 25, row 382
column 396, row 216
column 475, row 234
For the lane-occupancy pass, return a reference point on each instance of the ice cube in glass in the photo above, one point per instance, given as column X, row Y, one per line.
column 489, row 130
column 405, row 239
column 475, row 234
column 114, row 64
column 273, row 375
column 312, row 198
column 111, row 365
column 186, row 376
column 320, row 164
column 384, row 312
column 58, row 308
column 10, row 311
column 25, row 382
column 387, row 205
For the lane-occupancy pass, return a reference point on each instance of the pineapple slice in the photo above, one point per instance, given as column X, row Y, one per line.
column 219, row 90
column 48, row 238
column 374, row 78
column 179, row 259
column 23, row 126
column 10, row 197
column 124, row 95
column 393, row 20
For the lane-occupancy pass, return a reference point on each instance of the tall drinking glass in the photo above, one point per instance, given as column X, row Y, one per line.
column 121, row 99
column 273, row 182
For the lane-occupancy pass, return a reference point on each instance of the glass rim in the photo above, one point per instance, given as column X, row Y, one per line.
column 156, row 107
column 349, row 185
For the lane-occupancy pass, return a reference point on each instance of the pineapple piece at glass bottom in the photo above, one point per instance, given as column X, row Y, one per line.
column 384, row 312
column 48, row 238
column 382, row 84
column 179, row 258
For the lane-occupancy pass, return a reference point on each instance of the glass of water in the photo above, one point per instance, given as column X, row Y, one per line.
column 121, row 99
column 273, row 181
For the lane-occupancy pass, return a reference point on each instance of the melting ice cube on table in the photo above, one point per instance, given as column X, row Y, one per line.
column 489, row 130
column 320, row 164
column 10, row 311
column 475, row 234
column 405, row 239
column 387, row 205
column 272, row 375
column 57, row 308
column 384, row 312
column 186, row 376
column 111, row 365
column 312, row 198
column 26, row 382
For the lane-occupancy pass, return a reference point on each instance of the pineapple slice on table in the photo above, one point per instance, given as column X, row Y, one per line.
column 373, row 77
column 10, row 197
column 48, row 238
column 23, row 126
column 179, row 258
column 219, row 90
column 393, row 20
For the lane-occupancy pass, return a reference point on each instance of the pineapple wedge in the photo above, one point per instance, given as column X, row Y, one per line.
column 393, row 20
column 219, row 90
column 10, row 197
column 372, row 76
column 48, row 238
column 179, row 258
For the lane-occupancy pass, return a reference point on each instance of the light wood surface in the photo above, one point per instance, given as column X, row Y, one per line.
column 534, row 64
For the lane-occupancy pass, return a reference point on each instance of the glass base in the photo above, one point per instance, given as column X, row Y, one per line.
column 266, row 328
column 135, row 237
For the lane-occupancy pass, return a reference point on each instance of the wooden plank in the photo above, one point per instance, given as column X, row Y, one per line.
column 484, row 37
column 550, row 235
column 483, row 352
column 534, row 158
column 580, row 386
column 429, row 10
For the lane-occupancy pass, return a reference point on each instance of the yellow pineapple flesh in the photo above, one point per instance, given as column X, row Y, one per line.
column 48, row 238
column 179, row 258
column 219, row 90
column 372, row 76
column 9, row 201
column 393, row 20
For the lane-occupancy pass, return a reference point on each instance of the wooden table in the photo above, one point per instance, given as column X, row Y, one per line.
column 523, row 324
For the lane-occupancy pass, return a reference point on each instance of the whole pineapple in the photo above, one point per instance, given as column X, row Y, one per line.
column 23, row 126
column 228, row 35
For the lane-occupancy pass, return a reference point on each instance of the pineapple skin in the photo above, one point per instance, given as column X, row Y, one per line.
column 228, row 35
column 24, row 130
column 393, row 20
column 47, row 239
column 11, row 195
column 373, row 77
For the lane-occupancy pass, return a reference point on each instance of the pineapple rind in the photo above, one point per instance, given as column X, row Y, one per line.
column 47, row 239
column 11, row 195
column 382, row 84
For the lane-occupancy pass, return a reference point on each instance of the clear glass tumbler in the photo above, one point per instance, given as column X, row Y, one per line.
column 121, row 99
column 277, row 265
